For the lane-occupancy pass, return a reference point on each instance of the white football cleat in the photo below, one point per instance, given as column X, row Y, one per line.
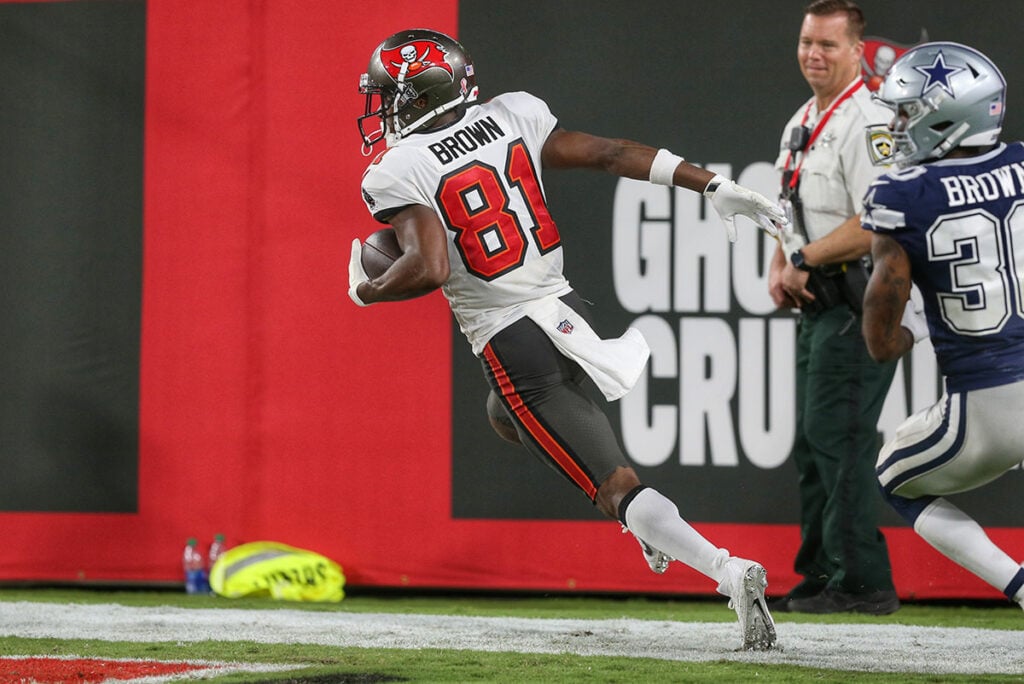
column 657, row 560
column 744, row 583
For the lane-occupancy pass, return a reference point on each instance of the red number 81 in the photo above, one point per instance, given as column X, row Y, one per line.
column 488, row 234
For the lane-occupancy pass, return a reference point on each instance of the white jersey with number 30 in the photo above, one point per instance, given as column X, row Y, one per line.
column 482, row 176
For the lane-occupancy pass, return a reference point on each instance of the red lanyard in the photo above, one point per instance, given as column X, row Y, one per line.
column 817, row 129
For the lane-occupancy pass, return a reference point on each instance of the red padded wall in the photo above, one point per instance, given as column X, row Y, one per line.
column 271, row 406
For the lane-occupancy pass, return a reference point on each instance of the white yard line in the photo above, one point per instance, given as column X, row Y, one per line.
column 869, row 648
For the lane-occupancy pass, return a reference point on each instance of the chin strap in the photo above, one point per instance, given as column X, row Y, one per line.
column 951, row 141
column 425, row 119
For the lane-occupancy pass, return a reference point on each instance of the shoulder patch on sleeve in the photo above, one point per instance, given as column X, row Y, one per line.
column 881, row 147
column 368, row 198
column 876, row 215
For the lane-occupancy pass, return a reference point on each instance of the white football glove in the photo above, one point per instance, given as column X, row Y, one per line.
column 915, row 321
column 730, row 199
column 356, row 274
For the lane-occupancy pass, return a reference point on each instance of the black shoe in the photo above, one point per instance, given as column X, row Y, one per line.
column 831, row 601
column 805, row 589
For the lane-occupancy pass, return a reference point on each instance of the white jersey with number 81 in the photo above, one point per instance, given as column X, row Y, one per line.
column 482, row 177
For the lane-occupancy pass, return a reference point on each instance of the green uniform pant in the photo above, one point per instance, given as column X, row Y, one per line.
column 840, row 391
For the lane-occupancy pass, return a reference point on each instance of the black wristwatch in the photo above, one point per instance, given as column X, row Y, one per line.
column 797, row 259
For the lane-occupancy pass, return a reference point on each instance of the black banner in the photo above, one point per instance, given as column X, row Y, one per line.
column 71, row 147
column 712, row 424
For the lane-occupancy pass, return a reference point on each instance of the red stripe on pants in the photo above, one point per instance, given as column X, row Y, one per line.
column 534, row 427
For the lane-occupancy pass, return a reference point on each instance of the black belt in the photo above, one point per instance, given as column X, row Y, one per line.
column 835, row 284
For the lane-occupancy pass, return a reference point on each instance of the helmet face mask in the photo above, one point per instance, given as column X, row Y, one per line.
column 413, row 78
column 378, row 111
column 943, row 96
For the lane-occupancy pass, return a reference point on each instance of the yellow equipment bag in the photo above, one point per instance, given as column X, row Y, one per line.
column 278, row 571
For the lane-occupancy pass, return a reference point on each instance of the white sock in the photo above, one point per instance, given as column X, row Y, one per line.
column 963, row 541
column 655, row 519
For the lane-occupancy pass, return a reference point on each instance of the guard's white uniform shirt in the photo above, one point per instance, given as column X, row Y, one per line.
column 836, row 169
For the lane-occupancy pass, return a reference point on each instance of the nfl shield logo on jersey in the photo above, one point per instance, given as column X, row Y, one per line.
column 565, row 327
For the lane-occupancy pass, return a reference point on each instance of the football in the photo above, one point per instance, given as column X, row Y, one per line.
column 380, row 250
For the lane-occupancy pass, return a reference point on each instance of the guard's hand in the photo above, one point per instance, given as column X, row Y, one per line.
column 730, row 199
column 794, row 282
column 777, row 289
column 356, row 274
column 914, row 320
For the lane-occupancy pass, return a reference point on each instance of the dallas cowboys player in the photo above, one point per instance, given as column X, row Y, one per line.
column 461, row 183
column 952, row 220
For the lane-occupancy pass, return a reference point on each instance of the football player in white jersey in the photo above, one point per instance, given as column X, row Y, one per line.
column 460, row 181
column 952, row 222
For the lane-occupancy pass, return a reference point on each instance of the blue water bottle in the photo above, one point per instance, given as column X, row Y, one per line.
column 195, row 568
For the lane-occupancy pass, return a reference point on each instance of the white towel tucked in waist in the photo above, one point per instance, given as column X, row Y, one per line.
column 614, row 365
